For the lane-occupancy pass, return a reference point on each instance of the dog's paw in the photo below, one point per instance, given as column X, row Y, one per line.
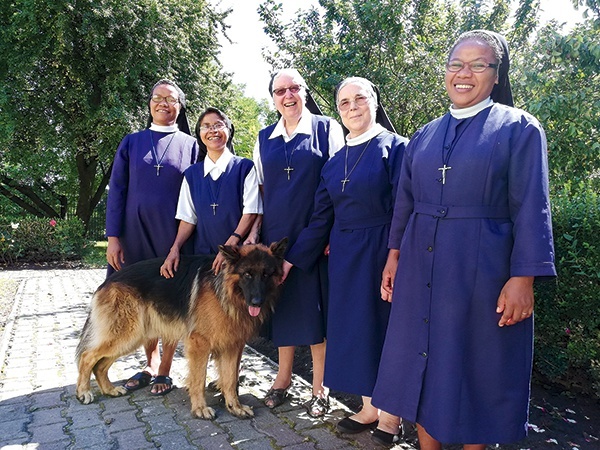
column 85, row 397
column 241, row 411
column 204, row 412
column 117, row 391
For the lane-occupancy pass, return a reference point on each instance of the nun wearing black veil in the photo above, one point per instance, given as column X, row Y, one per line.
column 471, row 231
column 288, row 157
column 353, row 212
column 142, row 199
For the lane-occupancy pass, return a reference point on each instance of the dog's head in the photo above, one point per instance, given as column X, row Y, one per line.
column 258, row 270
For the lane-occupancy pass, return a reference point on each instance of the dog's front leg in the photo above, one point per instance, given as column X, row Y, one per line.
column 229, row 367
column 197, row 351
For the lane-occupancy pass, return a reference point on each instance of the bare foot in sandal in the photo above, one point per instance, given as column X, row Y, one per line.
column 138, row 381
column 276, row 397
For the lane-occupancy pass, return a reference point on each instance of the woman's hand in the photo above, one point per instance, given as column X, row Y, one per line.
column 287, row 266
column 114, row 253
column 389, row 274
column 218, row 263
column 171, row 264
column 515, row 301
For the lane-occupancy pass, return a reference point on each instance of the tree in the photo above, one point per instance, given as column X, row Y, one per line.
column 75, row 79
column 558, row 83
column 400, row 45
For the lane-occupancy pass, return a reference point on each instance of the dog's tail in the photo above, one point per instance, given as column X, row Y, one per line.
column 84, row 341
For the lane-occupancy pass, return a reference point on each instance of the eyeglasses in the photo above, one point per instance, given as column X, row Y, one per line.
column 169, row 99
column 214, row 127
column 359, row 100
column 457, row 65
column 281, row 91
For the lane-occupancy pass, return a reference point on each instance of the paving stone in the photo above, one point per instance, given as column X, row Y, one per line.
column 162, row 424
column 173, row 441
column 47, row 416
column 132, row 440
column 216, row 442
column 14, row 439
column 254, row 444
column 85, row 419
column 90, row 437
column 326, row 440
column 46, row 433
column 13, row 427
column 124, row 420
column 48, row 398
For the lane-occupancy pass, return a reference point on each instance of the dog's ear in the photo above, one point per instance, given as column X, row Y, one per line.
column 278, row 248
column 231, row 252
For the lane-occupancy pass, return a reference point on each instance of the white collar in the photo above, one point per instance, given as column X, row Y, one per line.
column 164, row 128
column 304, row 127
column 366, row 136
column 220, row 165
column 471, row 111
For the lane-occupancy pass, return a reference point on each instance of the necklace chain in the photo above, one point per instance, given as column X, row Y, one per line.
column 446, row 157
column 288, row 160
column 346, row 173
column 155, row 153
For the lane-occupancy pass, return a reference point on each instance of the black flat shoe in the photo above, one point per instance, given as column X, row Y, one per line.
column 350, row 426
column 384, row 438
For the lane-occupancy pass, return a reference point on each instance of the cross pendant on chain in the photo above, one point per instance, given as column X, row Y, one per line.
column 288, row 169
column 158, row 166
column 214, row 207
column 444, row 169
column 344, row 181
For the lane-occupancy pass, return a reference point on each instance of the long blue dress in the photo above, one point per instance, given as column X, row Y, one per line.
column 141, row 206
column 299, row 316
column 446, row 364
column 214, row 226
column 356, row 223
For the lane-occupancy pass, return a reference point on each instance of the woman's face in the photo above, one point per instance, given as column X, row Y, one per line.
column 356, row 108
column 162, row 111
column 466, row 88
column 214, row 132
column 289, row 104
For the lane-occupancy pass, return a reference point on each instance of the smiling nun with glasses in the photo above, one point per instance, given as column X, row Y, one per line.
column 219, row 198
column 289, row 155
column 471, row 231
column 353, row 212
column 142, row 198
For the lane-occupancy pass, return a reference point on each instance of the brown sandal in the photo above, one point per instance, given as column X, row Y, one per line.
column 276, row 397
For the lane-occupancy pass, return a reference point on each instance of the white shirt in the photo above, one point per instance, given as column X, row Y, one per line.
column 252, row 200
column 335, row 138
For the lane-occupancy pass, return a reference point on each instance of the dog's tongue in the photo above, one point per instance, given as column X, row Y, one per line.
column 254, row 310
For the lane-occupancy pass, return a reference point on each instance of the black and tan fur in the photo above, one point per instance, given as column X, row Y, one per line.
column 211, row 313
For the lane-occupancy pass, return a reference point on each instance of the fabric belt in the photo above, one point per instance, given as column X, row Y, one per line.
column 462, row 212
column 367, row 222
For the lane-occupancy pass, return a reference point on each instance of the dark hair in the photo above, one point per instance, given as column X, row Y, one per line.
column 502, row 92
column 212, row 110
column 483, row 38
column 180, row 93
column 181, row 121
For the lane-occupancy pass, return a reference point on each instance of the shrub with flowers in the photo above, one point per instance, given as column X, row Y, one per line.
column 35, row 239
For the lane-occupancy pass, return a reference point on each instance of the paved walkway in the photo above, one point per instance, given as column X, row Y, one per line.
column 39, row 410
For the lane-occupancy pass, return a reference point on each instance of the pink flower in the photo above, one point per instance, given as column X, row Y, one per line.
column 52, row 223
column 567, row 330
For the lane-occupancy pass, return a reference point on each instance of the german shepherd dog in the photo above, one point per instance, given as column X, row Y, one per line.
column 214, row 314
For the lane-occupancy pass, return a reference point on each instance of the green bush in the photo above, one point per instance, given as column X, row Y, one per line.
column 36, row 239
column 568, row 310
